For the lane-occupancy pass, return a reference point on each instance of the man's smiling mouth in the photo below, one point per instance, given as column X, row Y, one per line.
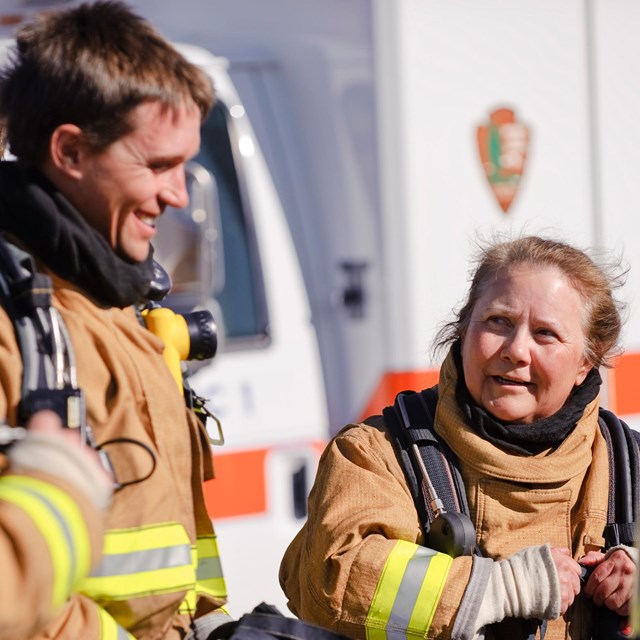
column 150, row 221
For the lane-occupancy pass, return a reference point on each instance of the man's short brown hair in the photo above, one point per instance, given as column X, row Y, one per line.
column 90, row 66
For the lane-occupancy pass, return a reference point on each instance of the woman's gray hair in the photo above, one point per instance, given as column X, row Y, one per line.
column 596, row 282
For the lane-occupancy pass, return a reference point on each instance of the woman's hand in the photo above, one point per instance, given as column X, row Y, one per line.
column 611, row 581
column 568, row 574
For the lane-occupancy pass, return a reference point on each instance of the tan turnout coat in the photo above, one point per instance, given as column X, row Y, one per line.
column 360, row 507
column 130, row 394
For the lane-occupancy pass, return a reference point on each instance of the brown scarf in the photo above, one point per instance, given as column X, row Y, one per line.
column 553, row 464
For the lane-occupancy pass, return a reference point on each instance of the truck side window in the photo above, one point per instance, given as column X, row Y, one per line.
column 242, row 297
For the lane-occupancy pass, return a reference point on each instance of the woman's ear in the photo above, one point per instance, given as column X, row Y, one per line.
column 582, row 372
column 66, row 149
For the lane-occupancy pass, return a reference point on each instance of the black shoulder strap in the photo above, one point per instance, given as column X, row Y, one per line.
column 624, row 465
column 432, row 473
column 48, row 379
column 410, row 422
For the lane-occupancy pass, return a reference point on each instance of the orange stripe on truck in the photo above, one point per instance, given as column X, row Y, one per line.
column 392, row 383
column 239, row 486
column 624, row 382
column 623, row 392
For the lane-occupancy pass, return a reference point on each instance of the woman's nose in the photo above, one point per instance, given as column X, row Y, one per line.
column 517, row 346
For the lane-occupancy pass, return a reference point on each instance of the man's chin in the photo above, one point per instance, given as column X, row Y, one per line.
column 135, row 256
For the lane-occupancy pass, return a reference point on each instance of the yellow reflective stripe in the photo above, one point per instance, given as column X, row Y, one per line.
column 142, row 561
column 209, row 576
column 61, row 524
column 110, row 629
column 386, row 590
column 138, row 585
column 151, row 536
column 407, row 593
column 188, row 605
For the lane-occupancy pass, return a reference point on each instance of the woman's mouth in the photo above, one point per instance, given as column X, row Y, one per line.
column 510, row 382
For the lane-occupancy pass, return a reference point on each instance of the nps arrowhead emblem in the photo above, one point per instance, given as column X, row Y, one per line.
column 503, row 143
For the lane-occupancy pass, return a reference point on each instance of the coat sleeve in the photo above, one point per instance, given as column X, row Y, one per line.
column 50, row 531
column 357, row 565
column 50, row 537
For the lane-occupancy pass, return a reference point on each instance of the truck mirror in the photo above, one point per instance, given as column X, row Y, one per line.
column 188, row 245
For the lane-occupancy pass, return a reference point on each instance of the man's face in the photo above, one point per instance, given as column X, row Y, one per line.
column 124, row 189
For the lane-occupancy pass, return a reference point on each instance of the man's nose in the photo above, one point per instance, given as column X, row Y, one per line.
column 173, row 191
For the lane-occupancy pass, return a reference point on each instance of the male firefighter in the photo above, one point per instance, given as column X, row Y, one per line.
column 101, row 114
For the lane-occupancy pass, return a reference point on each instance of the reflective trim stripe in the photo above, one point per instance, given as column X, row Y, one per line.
column 122, row 564
column 153, row 536
column 110, row 629
column 61, row 524
column 407, row 593
column 189, row 604
column 209, row 578
column 142, row 561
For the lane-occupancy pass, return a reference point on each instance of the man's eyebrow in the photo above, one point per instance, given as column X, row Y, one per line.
column 166, row 159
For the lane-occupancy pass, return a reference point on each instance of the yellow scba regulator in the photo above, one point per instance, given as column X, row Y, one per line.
column 189, row 336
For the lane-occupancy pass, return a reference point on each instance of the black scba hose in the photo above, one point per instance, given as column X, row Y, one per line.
column 118, row 483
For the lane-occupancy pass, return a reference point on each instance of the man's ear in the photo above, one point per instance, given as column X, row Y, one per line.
column 66, row 148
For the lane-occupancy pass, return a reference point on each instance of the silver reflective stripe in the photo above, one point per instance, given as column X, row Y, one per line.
column 65, row 530
column 209, row 568
column 119, row 564
column 407, row 596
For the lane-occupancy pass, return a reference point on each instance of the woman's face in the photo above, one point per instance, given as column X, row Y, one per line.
column 524, row 348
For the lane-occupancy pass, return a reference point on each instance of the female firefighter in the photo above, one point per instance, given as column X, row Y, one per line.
column 518, row 404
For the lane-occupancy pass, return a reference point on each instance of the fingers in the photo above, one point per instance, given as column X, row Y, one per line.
column 45, row 421
column 611, row 583
column 592, row 558
column 568, row 575
column 48, row 423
